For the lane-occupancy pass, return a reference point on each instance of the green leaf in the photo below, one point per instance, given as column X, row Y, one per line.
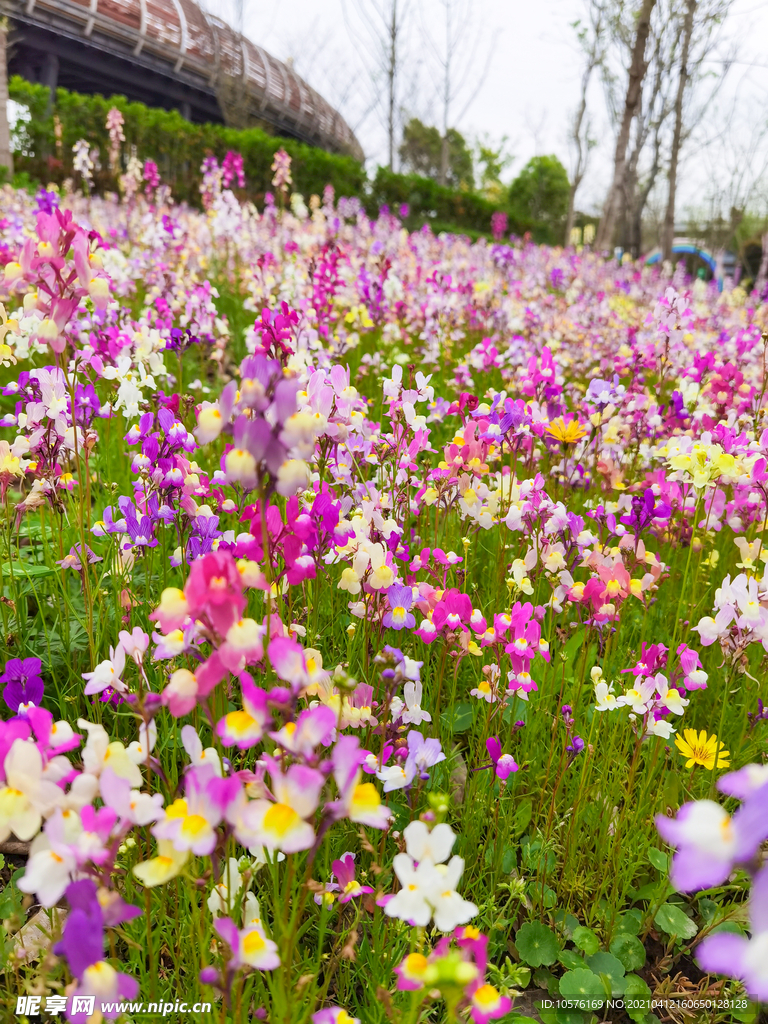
column 458, row 718
column 659, row 860
column 543, row 894
column 586, row 939
column 581, row 984
column 571, row 960
column 635, row 988
column 610, row 967
column 572, row 647
column 20, row 569
column 508, row 860
column 646, row 892
column 672, row 920
column 537, row 944
column 572, row 1017
column 629, row 949
column 522, row 816
column 629, row 922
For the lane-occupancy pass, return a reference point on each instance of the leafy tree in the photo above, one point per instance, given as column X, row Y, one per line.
column 540, row 194
column 492, row 160
column 421, row 153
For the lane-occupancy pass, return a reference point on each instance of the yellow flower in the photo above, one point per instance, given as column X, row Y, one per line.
column 566, row 433
column 702, row 750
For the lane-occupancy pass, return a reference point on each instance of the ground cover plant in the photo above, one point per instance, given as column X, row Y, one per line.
column 384, row 620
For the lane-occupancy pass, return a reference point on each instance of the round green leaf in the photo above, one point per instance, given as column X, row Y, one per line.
column 537, row 944
column 586, row 940
column 629, row 949
column 636, row 988
column 659, row 860
column 571, row 960
column 672, row 920
column 610, row 966
column 581, row 984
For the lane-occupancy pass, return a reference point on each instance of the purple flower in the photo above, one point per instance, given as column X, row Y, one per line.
column 709, row 841
column 23, row 683
column 141, row 532
column 603, row 392
column 399, row 615
column 645, row 510
column 422, row 754
column 82, row 942
column 73, row 559
column 737, row 956
column 46, row 201
column 575, row 746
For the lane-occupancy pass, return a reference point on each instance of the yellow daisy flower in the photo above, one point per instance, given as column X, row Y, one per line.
column 566, row 433
column 701, row 749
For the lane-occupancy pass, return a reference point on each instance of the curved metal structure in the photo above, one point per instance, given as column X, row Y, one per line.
column 172, row 54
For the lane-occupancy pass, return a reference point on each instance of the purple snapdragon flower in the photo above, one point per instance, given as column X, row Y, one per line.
column 709, row 841
column 644, row 510
column 399, row 615
column 23, row 683
column 82, row 944
column 422, row 754
column 74, row 561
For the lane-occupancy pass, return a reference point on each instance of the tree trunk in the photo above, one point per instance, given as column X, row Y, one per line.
column 637, row 70
column 762, row 273
column 6, row 156
column 669, row 219
column 391, row 74
column 569, row 220
column 580, row 168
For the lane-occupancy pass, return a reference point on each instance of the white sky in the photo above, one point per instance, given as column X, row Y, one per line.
column 531, row 84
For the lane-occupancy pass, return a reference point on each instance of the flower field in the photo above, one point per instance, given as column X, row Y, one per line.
column 384, row 617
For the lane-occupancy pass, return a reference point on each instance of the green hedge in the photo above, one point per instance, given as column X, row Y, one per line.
column 179, row 147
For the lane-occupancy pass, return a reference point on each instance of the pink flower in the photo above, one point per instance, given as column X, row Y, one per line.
column 215, row 589
column 344, row 870
column 245, row 728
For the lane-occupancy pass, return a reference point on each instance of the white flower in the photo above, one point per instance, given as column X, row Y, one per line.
column 435, row 844
column 48, row 872
column 605, row 697
column 428, row 890
column 194, row 748
column 26, row 796
column 638, row 697
column 448, row 907
column 107, row 673
column 671, row 698
column 412, row 713
column 222, row 897
column 410, row 903
column 661, row 728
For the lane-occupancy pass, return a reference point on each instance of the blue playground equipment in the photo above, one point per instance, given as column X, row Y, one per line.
column 686, row 248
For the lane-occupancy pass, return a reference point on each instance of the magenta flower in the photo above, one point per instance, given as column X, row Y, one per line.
column 344, row 870
column 453, row 611
column 399, row 615
column 504, row 764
